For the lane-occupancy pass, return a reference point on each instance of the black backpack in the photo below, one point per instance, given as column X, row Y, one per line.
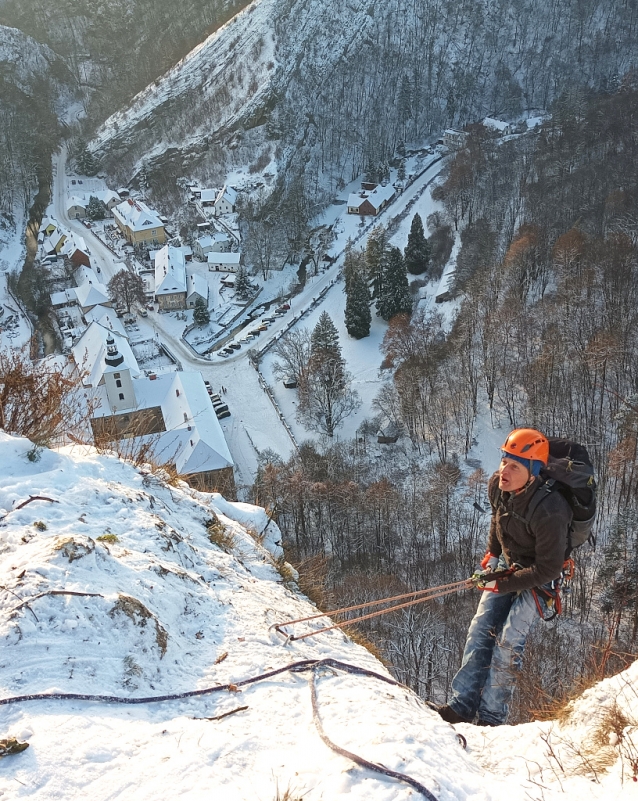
column 570, row 472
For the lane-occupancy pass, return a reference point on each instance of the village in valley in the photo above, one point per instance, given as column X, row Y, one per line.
column 177, row 359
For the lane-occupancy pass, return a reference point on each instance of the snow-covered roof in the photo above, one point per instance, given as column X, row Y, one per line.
column 496, row 125
column 137, row 216
column 378, row 196
column 227, row 259
column 193, row 441
column 105, row 195
column 91, row 294
column 89, row 353
column 74, row 243
column 107, row 318
column 63, row 298
column 196, row 285
column 75, row 201
column 227, row 193
column 211, row 239
column 170, row 271
column 85, row 275
column 209, row 195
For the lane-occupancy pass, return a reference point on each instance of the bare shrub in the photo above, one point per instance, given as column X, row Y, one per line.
column 39, row 401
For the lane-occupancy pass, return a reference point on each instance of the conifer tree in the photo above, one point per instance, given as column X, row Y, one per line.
column 358, row 316
column 417, row 251
column 201, row 315
column 242, row 282
column 325, row 397
column 95, row 209
column 375, row 249
column 395, row 295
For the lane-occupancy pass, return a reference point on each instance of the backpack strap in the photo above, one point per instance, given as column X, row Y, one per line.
column 537, row 498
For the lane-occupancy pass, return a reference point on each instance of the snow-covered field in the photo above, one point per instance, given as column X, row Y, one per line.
column 160, row 610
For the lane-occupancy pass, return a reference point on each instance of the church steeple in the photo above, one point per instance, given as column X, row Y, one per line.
column 113, row 357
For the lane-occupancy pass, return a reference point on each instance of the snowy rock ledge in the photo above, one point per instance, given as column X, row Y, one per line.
column 169, row 590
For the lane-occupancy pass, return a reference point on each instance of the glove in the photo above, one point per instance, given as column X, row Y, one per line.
column 482, row 581
column 489, row 561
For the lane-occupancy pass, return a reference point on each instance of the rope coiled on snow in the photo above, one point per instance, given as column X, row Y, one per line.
column 295, row 667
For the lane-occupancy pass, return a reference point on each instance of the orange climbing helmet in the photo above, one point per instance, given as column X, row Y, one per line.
column 528, row 446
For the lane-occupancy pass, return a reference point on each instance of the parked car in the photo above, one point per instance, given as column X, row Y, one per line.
column 143, row 313
column 220, row 409
column 269, row 319
column 284, row 307
column 214, row 398
column 235, row 345
column 262, row 328
column 207, row 384
column 222, row 415
column 222, row 353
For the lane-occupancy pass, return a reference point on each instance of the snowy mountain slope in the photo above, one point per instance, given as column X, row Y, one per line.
column 161, row 610
column 339, row 84
column 23, row 60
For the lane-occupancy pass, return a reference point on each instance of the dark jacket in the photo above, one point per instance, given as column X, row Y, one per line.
column 541, row 549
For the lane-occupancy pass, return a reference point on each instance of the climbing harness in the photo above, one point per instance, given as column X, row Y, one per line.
column 551, row 593
column 418, row 597
column 313, row 665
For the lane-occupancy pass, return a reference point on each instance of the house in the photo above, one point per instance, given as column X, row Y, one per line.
column 388, row 433
column 138, row 223
column 370, row 203
column 212, row 243
column 224, row 261
column 76, row 208
column 91, row 294
column 225, row 201
column 207, row 196
column 499, row 127
column 455, row 140
column 107, row 197
column 228, row 281
column 77, row 251
column 196, row 287
column 170, row 278
column 170, row 415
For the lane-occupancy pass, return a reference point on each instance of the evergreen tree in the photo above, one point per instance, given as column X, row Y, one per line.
column 242, row 282
column 358, row 316
column 395, row 295
column 95, row 209
column 375, row 249
column 86, row 162
column 201, row 315
column 324, row 342
column 325, row 397
column 417, row 251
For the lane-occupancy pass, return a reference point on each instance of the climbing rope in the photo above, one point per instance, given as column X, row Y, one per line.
column 402, row 777
column 418, row 596
column 295, row 667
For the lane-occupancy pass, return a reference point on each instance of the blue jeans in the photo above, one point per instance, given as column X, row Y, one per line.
column 493, row 652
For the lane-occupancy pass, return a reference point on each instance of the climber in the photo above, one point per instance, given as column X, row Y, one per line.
column 523, row 556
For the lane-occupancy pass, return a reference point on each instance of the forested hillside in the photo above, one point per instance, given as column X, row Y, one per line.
column 344, row 83
column 32, row 82
column 115, row 48
column 547, row 335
